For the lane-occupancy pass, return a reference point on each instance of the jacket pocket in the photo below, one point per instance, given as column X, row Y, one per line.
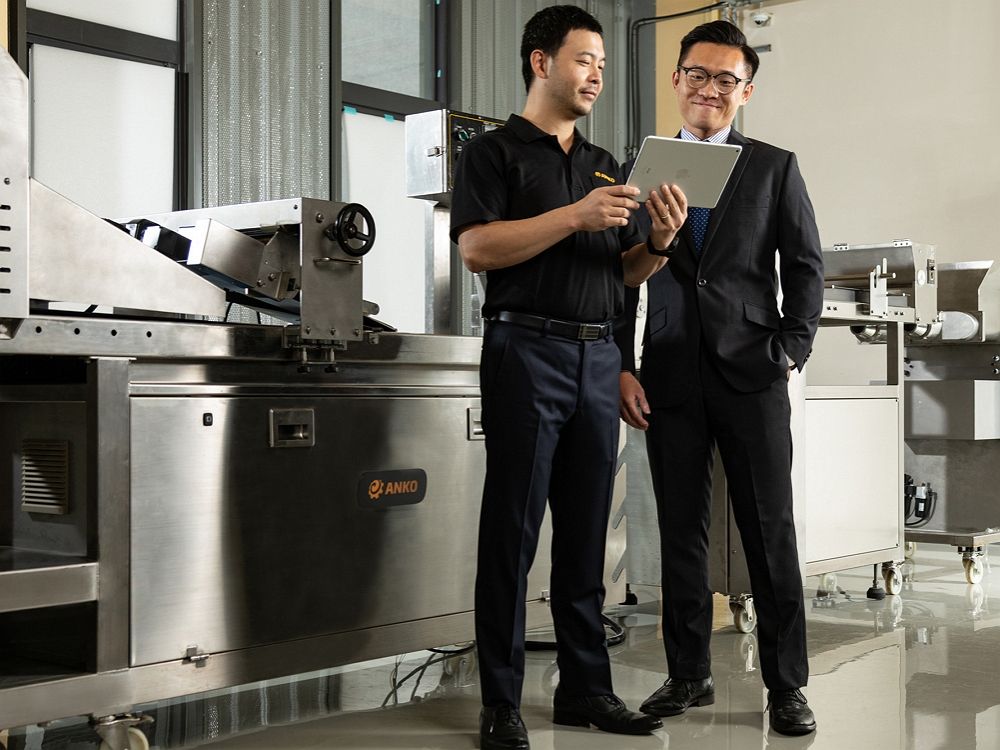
column 761, row 316
column 657, row 320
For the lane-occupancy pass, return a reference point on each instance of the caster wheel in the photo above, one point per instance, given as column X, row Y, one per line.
column 909, row 549
column 973, row 569
column 747, row 652
column 136, row 740
column 827, row 584
column 975, row 597
column 893, row 581
column 744, row 619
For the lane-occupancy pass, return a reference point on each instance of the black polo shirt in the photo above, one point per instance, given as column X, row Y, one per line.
column 518, row 172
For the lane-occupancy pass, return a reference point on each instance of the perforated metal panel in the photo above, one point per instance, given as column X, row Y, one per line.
column 492, row 84
column 266, row 100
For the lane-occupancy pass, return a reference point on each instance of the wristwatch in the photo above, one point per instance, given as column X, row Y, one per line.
column 665, row 252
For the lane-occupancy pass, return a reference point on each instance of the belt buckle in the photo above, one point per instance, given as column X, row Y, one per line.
column 589, row 331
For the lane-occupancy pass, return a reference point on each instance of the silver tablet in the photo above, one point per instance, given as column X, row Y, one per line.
column 700, row 169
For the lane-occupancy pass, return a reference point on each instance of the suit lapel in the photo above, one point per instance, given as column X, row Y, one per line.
column 734, row 180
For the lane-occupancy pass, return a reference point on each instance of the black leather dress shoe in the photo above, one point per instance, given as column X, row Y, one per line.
column 676, row 696
column 606, row 712
column 789, row 712
column 501, row 728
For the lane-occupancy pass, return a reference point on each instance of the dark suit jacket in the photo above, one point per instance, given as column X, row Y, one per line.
column 725, row 298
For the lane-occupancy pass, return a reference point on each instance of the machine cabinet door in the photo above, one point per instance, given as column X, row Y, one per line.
column 236, row 543
column 852, row 483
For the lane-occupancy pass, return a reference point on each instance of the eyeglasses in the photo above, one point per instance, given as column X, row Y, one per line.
column 725, row 83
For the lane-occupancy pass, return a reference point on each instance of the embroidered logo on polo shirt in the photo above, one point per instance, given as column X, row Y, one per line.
column 605, row 177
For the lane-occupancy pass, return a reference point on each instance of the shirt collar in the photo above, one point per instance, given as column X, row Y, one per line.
column 721, row 137
column 527, row 131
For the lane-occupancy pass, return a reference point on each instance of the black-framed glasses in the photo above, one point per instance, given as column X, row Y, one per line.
column 725, row 83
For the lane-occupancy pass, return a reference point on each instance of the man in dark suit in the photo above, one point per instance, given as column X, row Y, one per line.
column 717, row 354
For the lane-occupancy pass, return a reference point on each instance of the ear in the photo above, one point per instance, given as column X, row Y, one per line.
column 747, row 93
column 539, row 64
column 675, row 78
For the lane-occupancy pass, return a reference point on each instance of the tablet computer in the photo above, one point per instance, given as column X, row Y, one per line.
column 700, row 169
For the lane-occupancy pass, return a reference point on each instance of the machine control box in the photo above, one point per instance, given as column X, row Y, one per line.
column 434, row 141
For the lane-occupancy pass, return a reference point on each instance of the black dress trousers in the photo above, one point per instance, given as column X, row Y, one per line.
column 550, row 414
column 754, row 441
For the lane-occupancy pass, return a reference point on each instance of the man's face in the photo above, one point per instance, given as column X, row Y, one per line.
column 575, row 74
column 705, row 111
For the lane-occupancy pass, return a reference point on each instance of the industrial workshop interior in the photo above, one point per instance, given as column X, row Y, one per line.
column 243, row 448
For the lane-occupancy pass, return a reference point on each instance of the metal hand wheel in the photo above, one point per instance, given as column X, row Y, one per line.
column 353, row 230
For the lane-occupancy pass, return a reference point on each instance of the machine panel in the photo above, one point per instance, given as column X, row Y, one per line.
column 852, row 467
column 238, row 544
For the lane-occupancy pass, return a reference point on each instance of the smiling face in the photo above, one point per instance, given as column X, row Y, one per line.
column 705, row 111
column 574, row 76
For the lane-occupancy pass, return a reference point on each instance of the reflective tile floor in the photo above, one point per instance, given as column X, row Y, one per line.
column 917, row 670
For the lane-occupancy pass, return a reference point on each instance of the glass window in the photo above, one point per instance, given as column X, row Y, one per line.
column 389, row 44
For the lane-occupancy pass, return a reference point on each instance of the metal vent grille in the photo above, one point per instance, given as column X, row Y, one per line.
column 45, row 476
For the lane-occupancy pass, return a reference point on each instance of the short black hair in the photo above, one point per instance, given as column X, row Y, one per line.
column 547, row 29
column 720, row 32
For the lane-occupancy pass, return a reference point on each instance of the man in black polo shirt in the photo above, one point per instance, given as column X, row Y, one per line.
column 541, row 211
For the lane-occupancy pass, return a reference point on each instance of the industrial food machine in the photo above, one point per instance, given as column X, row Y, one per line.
column 952, row 384
column 953, row 423
column 190, row 504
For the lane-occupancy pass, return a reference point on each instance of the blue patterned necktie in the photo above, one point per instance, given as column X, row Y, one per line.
column 698, row 224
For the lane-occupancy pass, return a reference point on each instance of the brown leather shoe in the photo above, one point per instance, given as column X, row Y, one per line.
column 606, row 712
column 676, row 696
column 501, row 728
column 789, row 713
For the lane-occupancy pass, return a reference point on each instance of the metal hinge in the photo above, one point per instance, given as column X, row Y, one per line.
column 841, row 246
column 196, row 656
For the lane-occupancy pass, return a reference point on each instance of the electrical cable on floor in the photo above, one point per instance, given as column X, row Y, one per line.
column 437, row 655
column 392, row 679
column 431, row 661
column 454, row 651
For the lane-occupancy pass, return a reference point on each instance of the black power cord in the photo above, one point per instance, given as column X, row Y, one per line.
column 437, row 655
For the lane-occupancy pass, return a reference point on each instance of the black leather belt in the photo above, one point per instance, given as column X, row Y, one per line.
column 566, row 328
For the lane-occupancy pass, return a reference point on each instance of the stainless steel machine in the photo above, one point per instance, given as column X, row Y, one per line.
column 190, row 504
column 952, row 383
column 434, row 141
column 953, row 423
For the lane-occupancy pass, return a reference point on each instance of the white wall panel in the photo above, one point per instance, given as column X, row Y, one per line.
column 373, row 170
column 152, row 17
column 890, row 106
column 103, row 131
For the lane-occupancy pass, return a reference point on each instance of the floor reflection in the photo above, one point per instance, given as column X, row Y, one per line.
column 916, row 670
